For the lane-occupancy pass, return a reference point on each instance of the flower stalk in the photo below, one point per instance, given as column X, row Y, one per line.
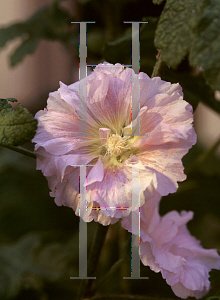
column 22, row 151
column 94, row 255
column 158, row 65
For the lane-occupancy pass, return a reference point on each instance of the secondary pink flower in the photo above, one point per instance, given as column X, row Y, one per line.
column 166, row 246
column 166, row 134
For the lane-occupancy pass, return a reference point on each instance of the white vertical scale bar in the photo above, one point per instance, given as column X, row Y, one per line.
column 135, row 260
column 82, row 225
column 82, row 132
column 135, row 60
column 82, row 50
column 135, row 47
column 82, row 75
column 135, row 221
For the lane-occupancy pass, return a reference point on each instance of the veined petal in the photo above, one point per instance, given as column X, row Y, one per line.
column 96, row 173
column 167, row 246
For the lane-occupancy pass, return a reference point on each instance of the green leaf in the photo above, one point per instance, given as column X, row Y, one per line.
column 16, row 126
column 36, row 258
column 191, row 27
column 27, row 47
column 174, row 34
column 11, row 99
column 4, row 103
column 205, row 50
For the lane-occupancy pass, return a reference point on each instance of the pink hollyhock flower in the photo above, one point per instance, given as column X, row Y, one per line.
column 165, row 135
column 166, row 246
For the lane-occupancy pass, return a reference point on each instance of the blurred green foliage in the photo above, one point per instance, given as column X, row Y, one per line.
column 49, row 22
column 157, row 1
column 38, row 240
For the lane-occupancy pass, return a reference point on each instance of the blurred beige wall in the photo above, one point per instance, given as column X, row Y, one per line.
column 207, row 125
column 38, row 74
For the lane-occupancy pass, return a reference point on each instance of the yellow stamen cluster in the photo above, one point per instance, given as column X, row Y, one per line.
column 116, row 144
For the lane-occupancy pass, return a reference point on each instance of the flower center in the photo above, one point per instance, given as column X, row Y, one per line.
column 116, row 144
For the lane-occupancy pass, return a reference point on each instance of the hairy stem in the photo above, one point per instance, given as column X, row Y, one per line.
column 158, row 65
column 22, row 151
column 110, row 273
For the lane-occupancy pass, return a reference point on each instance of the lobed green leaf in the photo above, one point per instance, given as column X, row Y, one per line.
column 205, row 51
column 174, row 34
column 4, row 103
column 16, row 126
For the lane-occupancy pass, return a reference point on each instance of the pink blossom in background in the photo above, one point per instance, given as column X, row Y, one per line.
column 166, row 246
column 166, row 134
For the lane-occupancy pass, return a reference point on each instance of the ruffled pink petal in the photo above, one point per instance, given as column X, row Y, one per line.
column 149, row 217
column 149, row 211
column 147, row 257
column 151, row 87
column 165, row 162
column 146, row 122
column 58, row 131
column 96, row 173
column 56, row 165
column 109, row 69
column 105, row 89
column 166, row 246
column 168, row 138
column 114, row 191
column 45, row 163
column 172, row 250
column 194, row 275
column 166, row 260
column 67, row 193
column 182, row 292
column 168, row 228
column 175, row 121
